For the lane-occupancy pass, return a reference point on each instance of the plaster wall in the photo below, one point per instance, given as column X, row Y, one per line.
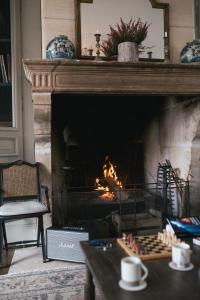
column 175, row 135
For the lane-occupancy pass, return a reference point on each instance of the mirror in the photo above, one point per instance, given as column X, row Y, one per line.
column 97, row 15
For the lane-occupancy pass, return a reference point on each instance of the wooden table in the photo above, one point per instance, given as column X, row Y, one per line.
column 163, row 282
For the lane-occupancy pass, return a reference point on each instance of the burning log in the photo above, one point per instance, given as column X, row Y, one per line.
column 114, row 188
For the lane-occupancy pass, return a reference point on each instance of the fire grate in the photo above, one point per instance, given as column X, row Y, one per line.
column 135, row 207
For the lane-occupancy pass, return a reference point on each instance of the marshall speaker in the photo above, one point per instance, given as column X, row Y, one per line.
column 63, row 243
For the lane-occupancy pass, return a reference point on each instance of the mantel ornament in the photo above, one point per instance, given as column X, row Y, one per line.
column 60, row 47
column 191, row 52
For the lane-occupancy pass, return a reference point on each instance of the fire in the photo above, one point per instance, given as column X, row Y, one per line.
column 111, row 181
column 107, row 193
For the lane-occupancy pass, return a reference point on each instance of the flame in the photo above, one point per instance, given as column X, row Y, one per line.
column 109, row 172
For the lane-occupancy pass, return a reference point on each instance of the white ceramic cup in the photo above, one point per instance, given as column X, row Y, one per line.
column 181, row 255
column 131, row 270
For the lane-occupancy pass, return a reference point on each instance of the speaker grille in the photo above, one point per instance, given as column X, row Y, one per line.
column 65, row 245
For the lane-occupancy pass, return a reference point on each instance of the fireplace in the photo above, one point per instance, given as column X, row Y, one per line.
column 73, row 136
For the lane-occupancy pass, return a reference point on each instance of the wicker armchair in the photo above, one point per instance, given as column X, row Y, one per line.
column 21, row 197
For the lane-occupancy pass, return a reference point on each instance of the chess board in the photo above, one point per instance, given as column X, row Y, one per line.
column 153, row 248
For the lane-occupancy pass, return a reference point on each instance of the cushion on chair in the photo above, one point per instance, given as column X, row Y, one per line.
column 22, row 208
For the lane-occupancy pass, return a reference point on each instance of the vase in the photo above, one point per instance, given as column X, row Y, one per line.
column 60, row 47
column 128, row 52
column 191, row 52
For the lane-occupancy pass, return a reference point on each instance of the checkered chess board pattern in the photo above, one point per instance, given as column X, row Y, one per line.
column 151, row 247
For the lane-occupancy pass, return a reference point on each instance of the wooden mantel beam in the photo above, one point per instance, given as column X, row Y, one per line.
column 142, row 78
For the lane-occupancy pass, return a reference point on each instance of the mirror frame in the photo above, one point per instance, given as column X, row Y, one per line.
column 154, row 4
column 197, row 18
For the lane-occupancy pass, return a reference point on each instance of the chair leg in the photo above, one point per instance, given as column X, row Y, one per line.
column 38, row 233
column 1, row 243
column 42, row 237
column 4, row 235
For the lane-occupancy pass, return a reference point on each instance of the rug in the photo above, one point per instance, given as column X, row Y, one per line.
column 58, row 284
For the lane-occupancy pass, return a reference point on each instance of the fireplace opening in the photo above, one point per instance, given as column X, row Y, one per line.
column 88, row 133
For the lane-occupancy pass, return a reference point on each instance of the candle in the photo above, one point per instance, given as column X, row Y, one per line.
column 165, row 34
column 97, row 32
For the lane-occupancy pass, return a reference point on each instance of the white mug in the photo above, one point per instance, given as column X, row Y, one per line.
column 181, row 255
column 131, row 270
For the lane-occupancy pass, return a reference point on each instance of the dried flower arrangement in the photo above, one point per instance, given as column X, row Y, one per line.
column 133, row 31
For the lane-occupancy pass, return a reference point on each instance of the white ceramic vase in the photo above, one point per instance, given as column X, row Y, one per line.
column 128, row 52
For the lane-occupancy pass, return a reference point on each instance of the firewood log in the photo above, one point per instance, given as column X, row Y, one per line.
column 119, row 193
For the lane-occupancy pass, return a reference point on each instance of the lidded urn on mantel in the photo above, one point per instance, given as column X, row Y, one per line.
column 126, row 40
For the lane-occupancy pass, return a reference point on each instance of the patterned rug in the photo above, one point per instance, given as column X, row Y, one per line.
column 58, row 284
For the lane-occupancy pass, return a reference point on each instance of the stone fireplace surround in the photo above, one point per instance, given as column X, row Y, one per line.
column 88, row 77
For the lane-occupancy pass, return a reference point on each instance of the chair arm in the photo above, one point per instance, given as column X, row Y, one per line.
column 46, row 190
